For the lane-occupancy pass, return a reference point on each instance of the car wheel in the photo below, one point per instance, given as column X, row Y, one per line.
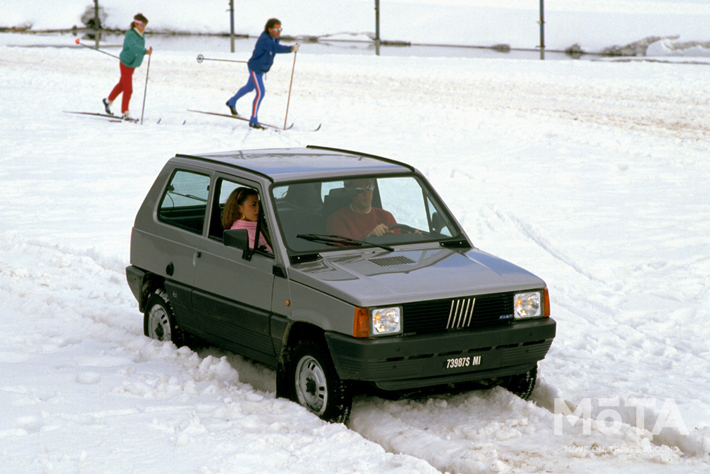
column 159, row 319
column 522, row 385
column 316, row 385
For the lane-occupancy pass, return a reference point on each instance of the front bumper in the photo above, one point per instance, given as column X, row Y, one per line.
column 409, row 362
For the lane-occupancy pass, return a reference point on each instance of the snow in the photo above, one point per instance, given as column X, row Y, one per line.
column 591, row 174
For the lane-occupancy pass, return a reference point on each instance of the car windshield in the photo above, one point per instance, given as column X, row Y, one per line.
column 381, row 211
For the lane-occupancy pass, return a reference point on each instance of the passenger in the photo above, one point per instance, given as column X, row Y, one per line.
column 241, row 211
column 360, row 220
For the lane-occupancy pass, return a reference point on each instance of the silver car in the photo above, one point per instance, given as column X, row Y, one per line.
column 351, row 275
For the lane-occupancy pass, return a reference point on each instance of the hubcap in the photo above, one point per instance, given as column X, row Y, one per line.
column 311, row 385
column 159, row 323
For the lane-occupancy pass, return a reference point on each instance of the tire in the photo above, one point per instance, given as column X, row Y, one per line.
column 315, row 384
column 521, row 385
column 159, row 319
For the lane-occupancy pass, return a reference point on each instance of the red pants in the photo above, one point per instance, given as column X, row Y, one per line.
column 125, row 85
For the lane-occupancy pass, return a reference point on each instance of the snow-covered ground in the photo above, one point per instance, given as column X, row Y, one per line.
column 593, row 175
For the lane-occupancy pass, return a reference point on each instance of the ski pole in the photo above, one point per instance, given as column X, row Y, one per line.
column 201, row 58
column 95, row 49
column 288, row 102
column 145, row 92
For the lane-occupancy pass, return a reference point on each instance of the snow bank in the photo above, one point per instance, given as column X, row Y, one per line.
column 673, row 47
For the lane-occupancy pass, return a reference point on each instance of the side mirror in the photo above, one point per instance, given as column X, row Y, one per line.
column 239, row 239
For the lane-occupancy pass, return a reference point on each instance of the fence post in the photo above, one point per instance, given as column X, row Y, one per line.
column 542, row 29
column 97, row 24
column 377, row 27
column 231, row 24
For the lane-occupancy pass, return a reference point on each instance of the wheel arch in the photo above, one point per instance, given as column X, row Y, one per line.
column 150, row 283
column 297, row 331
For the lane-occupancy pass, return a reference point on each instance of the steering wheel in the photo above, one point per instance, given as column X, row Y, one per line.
column 402, row 227
column 410, row 230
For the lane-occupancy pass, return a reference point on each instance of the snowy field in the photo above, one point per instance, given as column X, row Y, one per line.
column 592, row 175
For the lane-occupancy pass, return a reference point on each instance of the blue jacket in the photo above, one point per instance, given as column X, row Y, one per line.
column 133, row 49
column 263, row 56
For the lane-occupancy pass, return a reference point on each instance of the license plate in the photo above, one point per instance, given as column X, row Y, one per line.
column 462, row 362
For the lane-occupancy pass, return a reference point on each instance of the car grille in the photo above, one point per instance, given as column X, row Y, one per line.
column 457, row 313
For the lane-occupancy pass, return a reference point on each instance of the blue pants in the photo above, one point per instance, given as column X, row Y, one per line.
column 256, row 82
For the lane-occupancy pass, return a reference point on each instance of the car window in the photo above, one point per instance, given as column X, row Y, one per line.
column 325, row 211
column 403, row 197
column 412, row 205
column 225, row 189
column 185, row 201
column 326, row 187
column 222, row 217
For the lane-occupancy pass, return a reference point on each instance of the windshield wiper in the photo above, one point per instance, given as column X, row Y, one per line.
column 340, row 239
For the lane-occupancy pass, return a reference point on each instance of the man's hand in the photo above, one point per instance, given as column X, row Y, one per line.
column 379, row 231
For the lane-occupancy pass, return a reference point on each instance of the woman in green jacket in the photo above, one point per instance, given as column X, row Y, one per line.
column 131, row 57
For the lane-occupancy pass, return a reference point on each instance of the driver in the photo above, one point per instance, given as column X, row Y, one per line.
column 360, row 220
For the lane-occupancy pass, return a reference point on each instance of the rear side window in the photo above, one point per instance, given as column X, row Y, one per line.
column 185, row 201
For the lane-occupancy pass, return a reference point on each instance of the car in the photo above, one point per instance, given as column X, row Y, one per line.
column 334, row 308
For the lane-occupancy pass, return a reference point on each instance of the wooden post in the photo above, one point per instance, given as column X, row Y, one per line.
column 97, row 24
column 377, row 27
column 231, row 24
column 542, row 29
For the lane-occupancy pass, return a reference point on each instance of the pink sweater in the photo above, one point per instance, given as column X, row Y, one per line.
column 251, row 230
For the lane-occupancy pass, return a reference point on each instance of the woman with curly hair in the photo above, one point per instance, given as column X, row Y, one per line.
column 241, row 211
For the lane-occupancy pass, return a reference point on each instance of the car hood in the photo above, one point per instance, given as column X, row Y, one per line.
column 379, row 278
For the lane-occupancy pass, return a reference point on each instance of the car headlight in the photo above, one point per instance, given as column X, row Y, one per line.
column 386, row 321
column 528, row 305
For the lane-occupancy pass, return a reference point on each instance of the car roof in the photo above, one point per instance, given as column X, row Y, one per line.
column 311, row 162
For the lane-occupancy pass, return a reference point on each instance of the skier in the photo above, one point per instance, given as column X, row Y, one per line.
column 131, row 57
column 259, row 64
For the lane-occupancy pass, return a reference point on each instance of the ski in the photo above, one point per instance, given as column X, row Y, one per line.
column 113, row 118
column 239, row 117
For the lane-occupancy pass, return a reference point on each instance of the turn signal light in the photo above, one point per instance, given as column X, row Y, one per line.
column 361, row 322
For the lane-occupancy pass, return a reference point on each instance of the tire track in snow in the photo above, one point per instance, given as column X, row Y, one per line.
column 528, row 230
column 676, row 438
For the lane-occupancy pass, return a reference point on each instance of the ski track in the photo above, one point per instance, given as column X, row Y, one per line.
column 527, row 230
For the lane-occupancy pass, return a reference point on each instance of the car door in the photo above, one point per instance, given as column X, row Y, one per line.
column 232, row 294
column 173, row 243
